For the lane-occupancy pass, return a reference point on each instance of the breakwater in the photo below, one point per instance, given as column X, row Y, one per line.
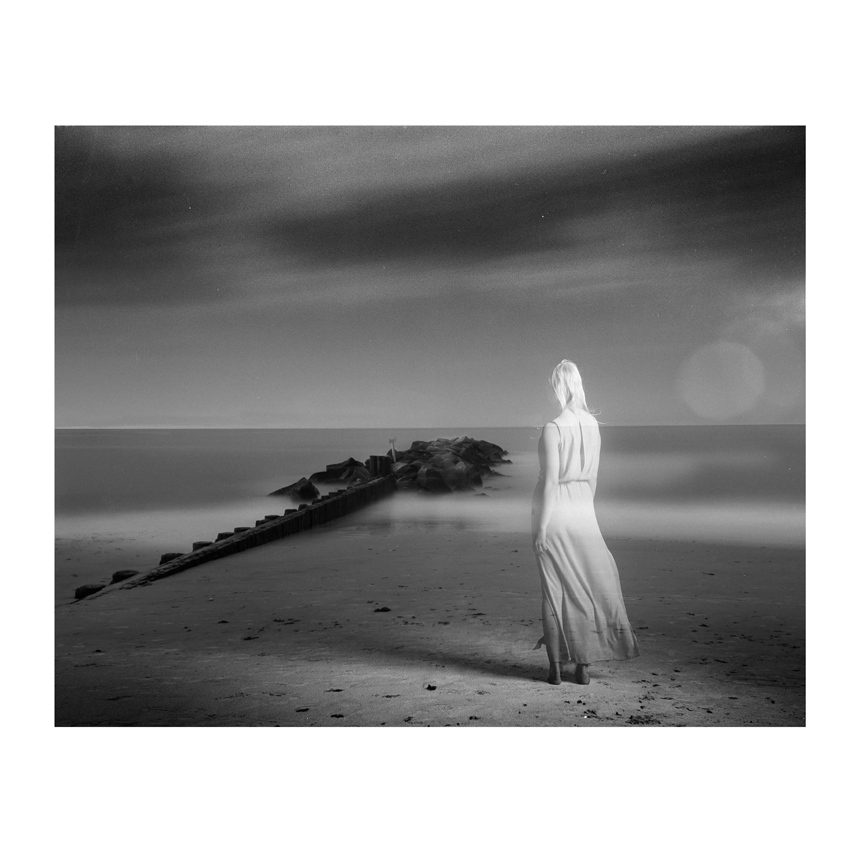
column 322, row 510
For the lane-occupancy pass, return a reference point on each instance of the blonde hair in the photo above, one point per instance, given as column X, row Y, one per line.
column 567, row 384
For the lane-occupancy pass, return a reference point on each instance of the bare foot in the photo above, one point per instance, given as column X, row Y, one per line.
column 554, row 677
column 582, row 676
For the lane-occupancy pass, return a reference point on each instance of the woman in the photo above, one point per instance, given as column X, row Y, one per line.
column 583, row 611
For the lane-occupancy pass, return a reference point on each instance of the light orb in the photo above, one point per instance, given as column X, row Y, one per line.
column 721, row 381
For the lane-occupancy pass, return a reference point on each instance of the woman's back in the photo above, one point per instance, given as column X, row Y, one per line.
column 579, row 446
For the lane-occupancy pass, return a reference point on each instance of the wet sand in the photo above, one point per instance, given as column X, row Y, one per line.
column 294, row 633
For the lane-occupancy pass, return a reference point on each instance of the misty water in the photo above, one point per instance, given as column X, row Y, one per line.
column 125, row 496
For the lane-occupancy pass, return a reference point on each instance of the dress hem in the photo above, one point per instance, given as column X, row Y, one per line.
column 542, row 643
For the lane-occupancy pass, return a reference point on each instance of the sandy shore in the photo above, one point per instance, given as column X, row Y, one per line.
column 288, row 634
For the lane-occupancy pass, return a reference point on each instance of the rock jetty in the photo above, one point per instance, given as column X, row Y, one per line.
column 444, row 465
column 437, row 466
column 447, row 464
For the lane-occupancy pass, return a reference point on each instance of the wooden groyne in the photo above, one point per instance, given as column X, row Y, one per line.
column 439, row 466
column 324, row 509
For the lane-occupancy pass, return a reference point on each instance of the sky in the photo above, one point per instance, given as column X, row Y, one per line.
column 427, row 276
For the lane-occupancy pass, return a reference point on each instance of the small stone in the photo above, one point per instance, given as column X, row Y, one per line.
column 87, row 590
column 121, row 575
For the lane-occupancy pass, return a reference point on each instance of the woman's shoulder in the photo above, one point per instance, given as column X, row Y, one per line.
column 550, row 433
column 568, row 419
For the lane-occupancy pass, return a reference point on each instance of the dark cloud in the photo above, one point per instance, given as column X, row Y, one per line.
column 108, row 201
column 742, row 194
column 181, row 215
column 127, row 225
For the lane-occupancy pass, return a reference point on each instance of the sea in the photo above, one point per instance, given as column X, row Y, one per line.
column 125, row 496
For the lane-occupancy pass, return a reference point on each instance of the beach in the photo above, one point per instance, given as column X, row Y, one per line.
column 290, row 634
column 423, row 610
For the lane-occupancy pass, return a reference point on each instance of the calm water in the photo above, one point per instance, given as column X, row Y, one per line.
column 125, row 496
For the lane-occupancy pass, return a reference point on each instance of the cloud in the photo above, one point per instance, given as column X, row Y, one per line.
column 743, row 194
column 137, row 224
column 200, row 215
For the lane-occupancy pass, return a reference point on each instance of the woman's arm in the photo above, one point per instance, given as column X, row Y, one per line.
column 549, row 468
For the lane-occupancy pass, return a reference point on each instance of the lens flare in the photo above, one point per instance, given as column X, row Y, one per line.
column 721, row 381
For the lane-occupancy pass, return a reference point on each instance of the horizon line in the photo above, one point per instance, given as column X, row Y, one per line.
column 391, row 428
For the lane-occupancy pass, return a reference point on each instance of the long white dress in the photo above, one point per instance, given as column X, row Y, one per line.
column 579, row 577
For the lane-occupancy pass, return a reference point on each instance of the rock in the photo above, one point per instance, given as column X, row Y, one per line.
column 496, row 454
column 382, row 609
column 121, row 575
column 406, row 472
column 302, row 489
column 430, row 479
column 456, row 476
column 166, row 557
column 87, row 590
column 199, row 545
column 443, row 460
column 223, row 535
column 337, row 472
column 356, row 474
column 343, row 465
column 462, row 463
